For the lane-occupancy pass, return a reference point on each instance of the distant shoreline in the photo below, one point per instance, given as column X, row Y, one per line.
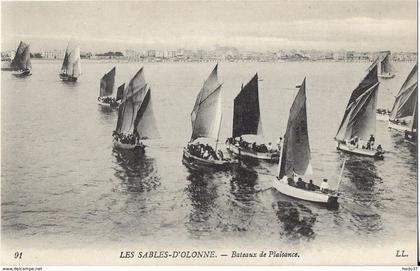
column 35, row 60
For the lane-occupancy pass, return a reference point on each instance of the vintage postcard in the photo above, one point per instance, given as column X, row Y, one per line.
column 209, row 133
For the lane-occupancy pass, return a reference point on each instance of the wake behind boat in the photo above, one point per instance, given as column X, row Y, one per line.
column 206, row 118
column 247, row 126
column 21, row 63
column 356, row 133
column 295, row 170
column 136, row 121
column 106, row 90
column 71, row 68
column 403, row 115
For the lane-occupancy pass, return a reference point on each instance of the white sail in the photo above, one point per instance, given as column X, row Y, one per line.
column 131, row 102
column 207, row 113
column 360, row 114
column 72, row 62
column 77, row 66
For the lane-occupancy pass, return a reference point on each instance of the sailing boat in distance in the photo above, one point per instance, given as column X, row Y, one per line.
column 71, row 68
column 21, row 63
column 386, row 70
column 295, row 170
column 136, row 121
column 356, row 133
column 206, row 118
column 106, row 89
column 402, row 117
column 247, row 126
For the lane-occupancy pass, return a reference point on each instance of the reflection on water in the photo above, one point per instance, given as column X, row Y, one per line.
column 296, row 220
column 202, row 192
column 361, row 172
column 242, row 185
column 135, row 170
column 362, row 195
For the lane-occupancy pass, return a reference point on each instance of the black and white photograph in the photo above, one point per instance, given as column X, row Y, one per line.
column 183, row 133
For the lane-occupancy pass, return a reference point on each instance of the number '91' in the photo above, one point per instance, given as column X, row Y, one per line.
column 18, row 255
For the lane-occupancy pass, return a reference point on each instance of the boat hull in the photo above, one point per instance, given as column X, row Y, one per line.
column 410, row 137
column 317, row 197
column 386, row 76
column 398, row 127
column 266, row 156
column 194, row 162
column 103, row 104
column 124, row 146
column 359, row 151
column 67, row 78
column 22, row 74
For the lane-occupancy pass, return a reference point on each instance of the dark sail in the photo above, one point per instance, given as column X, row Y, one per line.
column 145, row 123
column 358, row 118
column 120, row 92
column 107, row 83
column 246, row 110
column 386, row 66
column 296, row 152
column 22, row 59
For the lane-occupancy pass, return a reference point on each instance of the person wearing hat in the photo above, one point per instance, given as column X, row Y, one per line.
column 324, row 186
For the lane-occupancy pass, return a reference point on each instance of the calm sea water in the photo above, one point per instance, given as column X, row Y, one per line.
column 62, row 181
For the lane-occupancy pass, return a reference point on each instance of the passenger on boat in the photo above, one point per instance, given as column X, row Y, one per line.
column 324, row 186
column 368, row 145
column 379, row 148
column 279, row 143
column 311, row 186
column 269, row 147
column 300, row 183
column 371, row 140
column 291, row 182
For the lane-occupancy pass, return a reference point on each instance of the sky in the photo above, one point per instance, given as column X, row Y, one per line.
column 361, row 25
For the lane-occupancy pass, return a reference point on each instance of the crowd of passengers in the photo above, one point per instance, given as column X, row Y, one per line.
column 204, row 151
column 125, row 138
column 397, row 121
column 324, row 187
column 239, row 142
column 383, row 111
column 356, row 142
column 108, row 100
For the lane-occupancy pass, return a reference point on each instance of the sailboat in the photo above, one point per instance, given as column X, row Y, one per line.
column 247, row 126
column 386, row 69
column 295, row 168
column 106, row 89
column 403, row 113
column 21, row 63
column 71, row 68
column 136, row 121
column 358, row 126
column 206, row 118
